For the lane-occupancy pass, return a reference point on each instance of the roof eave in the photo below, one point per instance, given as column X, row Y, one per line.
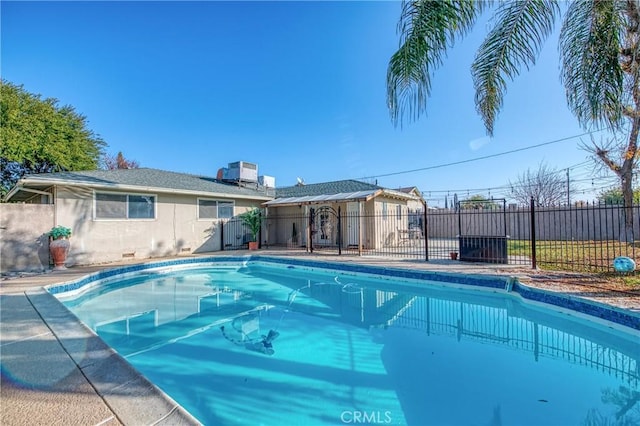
column 398, row 195
column 137, row 188
column 13, row 192
column 310, row 203
column 337, row 198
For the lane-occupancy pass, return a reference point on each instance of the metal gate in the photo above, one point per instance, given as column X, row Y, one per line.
column 485, row 241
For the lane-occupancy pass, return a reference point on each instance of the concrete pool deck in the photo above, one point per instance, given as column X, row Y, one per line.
column 56, row 371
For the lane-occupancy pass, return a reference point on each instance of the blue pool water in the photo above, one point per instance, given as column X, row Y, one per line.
column 354, row 349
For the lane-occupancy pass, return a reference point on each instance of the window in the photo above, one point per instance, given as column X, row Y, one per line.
column 384, row 211
column 111, row 206
column 225, row 209
column 212, row 209
column 141, row 207
column 207, row 209
column 124, row 206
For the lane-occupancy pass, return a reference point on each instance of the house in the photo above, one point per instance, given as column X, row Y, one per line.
column 345, row 213
column 146, row 213
column 138, row 213
column 418, row 202
column 415, row 207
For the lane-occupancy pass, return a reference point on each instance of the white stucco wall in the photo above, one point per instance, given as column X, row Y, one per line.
column 387, row 227
column 378, row 231
column 175, row 230
column 24, row 244
column 279, row 226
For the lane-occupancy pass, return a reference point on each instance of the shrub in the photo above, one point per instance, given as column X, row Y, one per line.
column 60, row 232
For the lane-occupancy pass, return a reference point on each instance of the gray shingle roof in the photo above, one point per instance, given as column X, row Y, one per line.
column 146, row 178
column 325, row 188
column 318, row 199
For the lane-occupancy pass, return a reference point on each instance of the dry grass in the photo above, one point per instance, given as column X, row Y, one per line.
column 578, row 256
column 584, row 269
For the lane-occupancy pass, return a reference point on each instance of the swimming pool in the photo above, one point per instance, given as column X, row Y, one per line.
column 351, row 348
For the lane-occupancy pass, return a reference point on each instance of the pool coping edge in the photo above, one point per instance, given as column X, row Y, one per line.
column 508, row 284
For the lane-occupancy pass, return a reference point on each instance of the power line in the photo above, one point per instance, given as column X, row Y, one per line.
column 508, row 187
column 438, row 166
column 438, row 196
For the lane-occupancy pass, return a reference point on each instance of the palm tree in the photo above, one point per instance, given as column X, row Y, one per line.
column 600, row 63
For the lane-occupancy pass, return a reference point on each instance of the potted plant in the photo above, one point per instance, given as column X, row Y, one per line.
column 252, row 219
column 59, row 245
column 453, row 255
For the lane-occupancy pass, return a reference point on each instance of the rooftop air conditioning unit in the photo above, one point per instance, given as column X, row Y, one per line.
column 267, row 181
column 241, row 171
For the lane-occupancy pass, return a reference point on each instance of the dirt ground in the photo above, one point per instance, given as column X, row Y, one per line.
column 609, row 289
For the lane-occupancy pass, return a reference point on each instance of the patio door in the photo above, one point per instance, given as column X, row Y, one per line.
column 353, row 223
column 325, row 226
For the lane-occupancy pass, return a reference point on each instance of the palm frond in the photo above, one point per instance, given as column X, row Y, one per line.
column 590, row 44
column 515, row 41
column 427, row 28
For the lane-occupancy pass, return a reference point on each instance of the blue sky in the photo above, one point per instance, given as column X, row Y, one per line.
column 297, row 87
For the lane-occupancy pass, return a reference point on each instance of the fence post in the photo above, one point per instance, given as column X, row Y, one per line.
column 221, row 235
column 504, row 216
column 533, row 234
column 339, row 232
column 311, row 229
column 426, row 235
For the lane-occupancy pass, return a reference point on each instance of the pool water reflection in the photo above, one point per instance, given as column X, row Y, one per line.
column 353, row 349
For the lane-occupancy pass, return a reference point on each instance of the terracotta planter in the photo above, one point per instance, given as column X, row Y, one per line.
column 253, row 245
column 453, row 255
column 59, row 249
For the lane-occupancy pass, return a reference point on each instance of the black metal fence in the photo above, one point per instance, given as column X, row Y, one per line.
column 538, row 336
column 235, row 235
column 583, row 238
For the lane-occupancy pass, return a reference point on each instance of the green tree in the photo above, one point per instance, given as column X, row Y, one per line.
column 39, row 136
column 478, row 202
column 614, row 196
column 600, row 63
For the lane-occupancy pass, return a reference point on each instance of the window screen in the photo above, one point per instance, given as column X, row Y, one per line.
column 207, row 209
column 212, row 209
column 225, row 209
column 111, row 206
column 125, row 206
